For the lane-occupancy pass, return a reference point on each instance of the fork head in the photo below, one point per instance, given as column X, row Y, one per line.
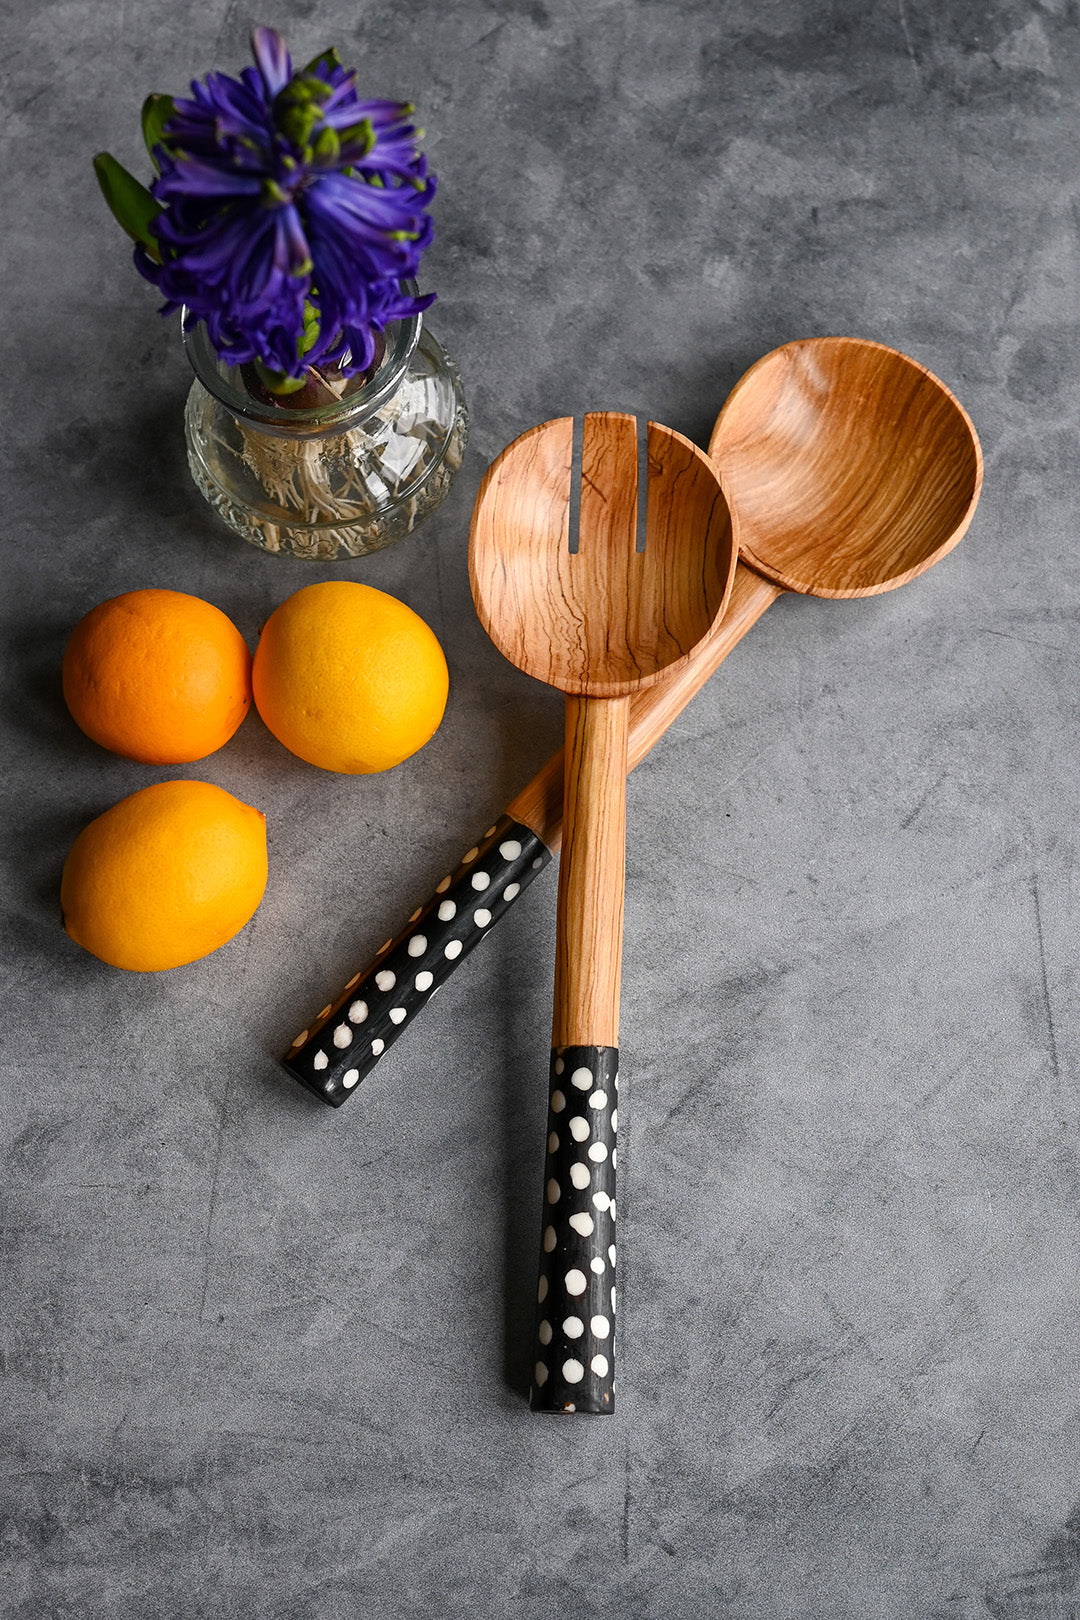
column 602, row 619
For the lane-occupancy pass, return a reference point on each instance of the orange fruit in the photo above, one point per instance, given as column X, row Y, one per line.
column 158, row 676
column 165, row 876
column 349, row 678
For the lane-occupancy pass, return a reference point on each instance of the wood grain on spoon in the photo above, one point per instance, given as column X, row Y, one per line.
column 852, row 467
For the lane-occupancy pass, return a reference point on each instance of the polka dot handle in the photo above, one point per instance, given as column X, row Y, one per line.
column 351, row 1034
column 574, row 1367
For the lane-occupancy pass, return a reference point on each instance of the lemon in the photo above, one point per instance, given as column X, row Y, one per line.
column 349, row 678
column 165, row 876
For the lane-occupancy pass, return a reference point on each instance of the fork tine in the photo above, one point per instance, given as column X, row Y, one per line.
column 609, row 484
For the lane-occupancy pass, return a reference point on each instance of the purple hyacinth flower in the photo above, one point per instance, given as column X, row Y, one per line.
column 282, row 191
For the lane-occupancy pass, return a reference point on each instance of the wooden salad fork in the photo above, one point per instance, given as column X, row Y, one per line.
column 583, row 609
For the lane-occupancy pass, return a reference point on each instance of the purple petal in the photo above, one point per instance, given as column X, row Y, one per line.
column 291, row 229
column 188, row 177
column 272, row 59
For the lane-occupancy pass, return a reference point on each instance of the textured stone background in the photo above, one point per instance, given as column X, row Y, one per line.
column 264, row 1360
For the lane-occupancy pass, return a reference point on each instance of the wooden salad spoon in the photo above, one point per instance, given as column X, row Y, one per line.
column 590, row 613
column 852, row 469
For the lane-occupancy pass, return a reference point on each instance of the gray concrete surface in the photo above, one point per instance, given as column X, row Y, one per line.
column 263, row 1360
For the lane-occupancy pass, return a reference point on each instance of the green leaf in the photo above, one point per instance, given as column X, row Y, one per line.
column 131, row 204
column 156, row 112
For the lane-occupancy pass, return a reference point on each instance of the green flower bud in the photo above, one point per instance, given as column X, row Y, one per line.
column 327, row 147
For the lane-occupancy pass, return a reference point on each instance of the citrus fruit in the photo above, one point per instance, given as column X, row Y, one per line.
column 165, row 876
column 349, row 678
column 158, row 676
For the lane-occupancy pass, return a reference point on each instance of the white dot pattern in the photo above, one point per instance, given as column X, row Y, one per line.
column 411, row 967
column 578, row 1258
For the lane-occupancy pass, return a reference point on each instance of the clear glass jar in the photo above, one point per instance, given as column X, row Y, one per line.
column 344, row 466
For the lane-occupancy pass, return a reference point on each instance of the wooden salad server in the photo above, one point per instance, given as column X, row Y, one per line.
column 852, row 469
column 588, row 611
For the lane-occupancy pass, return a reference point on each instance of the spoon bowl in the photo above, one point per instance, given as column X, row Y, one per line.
column 852, row 467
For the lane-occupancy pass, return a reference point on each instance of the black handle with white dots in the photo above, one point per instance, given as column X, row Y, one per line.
column 350, row 1035
column 574, row 1368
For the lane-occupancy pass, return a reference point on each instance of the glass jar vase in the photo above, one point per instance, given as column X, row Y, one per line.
column 342, row 466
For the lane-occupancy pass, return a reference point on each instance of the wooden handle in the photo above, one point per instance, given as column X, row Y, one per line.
column 588, row 930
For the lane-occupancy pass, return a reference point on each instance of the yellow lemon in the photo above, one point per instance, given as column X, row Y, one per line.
column 349, row 678
column 165, row 876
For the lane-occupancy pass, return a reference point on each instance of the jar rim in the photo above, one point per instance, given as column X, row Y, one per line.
column 223, row 379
